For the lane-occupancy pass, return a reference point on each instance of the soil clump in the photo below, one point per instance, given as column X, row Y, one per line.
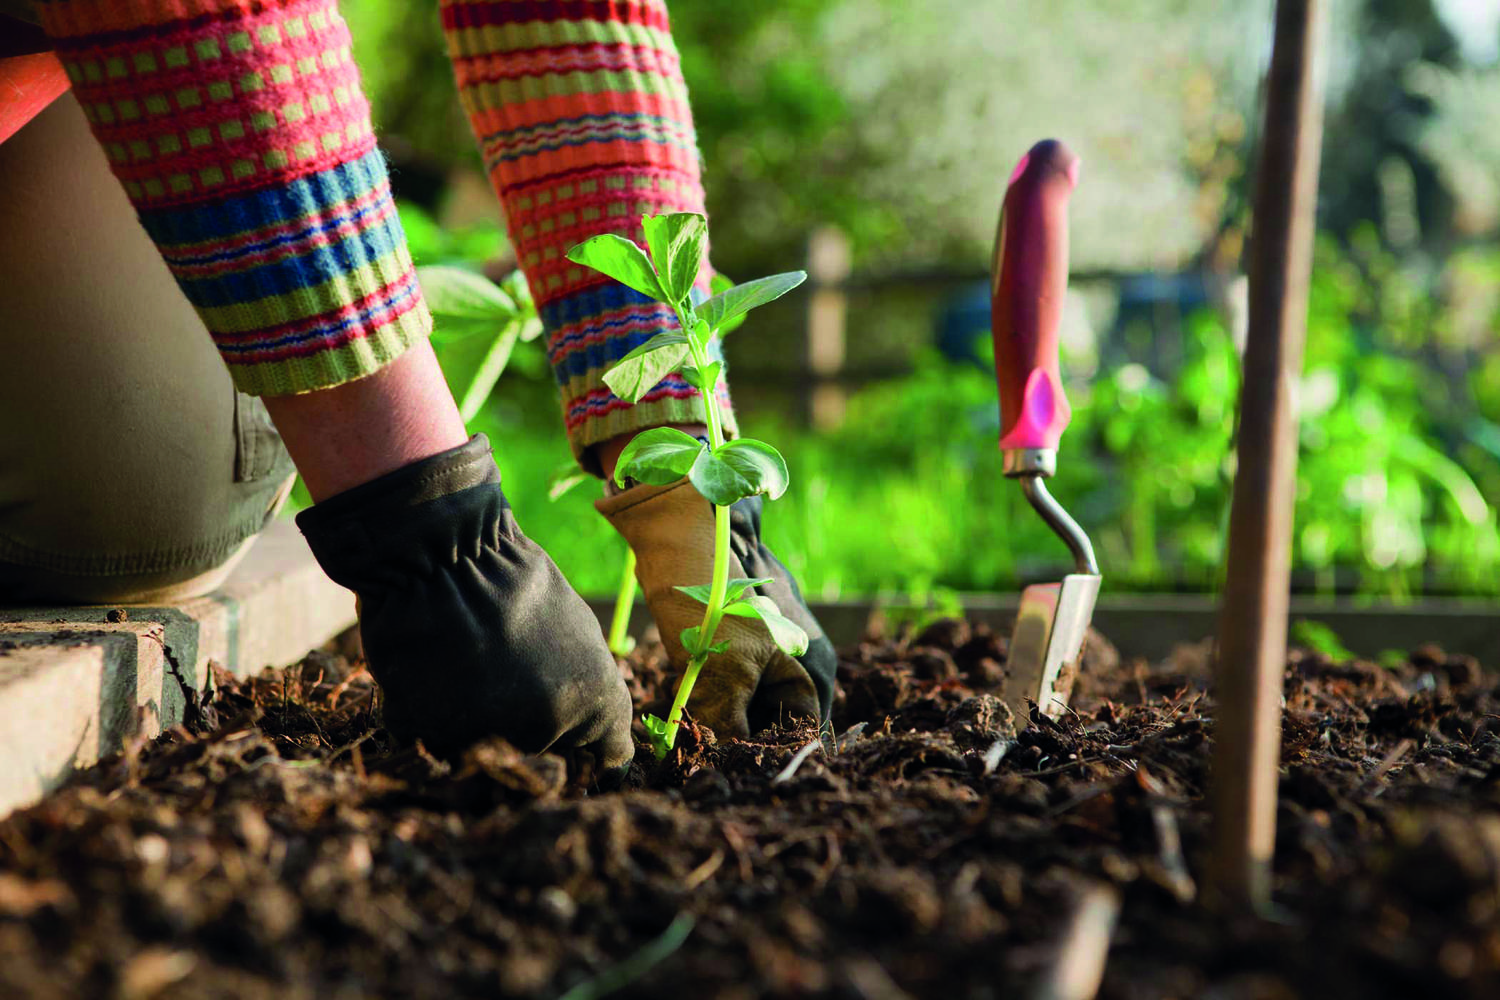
column 280, row 845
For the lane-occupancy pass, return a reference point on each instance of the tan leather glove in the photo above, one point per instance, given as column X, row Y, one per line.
column 754, row 684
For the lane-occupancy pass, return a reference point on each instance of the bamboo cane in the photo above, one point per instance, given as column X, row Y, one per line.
column 1252, row 634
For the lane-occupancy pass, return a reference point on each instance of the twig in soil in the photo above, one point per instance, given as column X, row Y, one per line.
column 995, row 754
column 1169, row 842
column 1060, row 768
column 1182, row 703
column 703, row 872
column 1084, row 796
column 850, row 733
column 795, row 762
column 637, row 965
column 337, row 692
column 834, row 855
column 269, row 760
column 736, row 841
column 829, row 739
column 1383, row 768
column 801, row 837
column 1079, row 967
column 351, row 745
column 872, row 982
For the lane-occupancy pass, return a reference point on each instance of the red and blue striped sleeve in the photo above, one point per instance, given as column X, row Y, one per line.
column 582, row 117
column 242, row 136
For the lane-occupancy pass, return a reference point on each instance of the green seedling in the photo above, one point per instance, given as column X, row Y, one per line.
column 1320, row 638
column 725, row 472
column 465, row 304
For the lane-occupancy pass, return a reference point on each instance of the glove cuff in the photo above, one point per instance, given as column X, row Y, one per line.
column 421, row 502
column 671, row 529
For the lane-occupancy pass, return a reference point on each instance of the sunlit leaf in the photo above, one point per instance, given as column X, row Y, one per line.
column 740, row 299
column 454, row 293
column 622, row 260
column 787, row 634
column 720, row 482
column 656, row 734
column 700, row 592
column 676, row 242
column 718, row 285
column 657, row 457
column 638, row 372
column 702, row 378
column 759, row 463
column 564, row 478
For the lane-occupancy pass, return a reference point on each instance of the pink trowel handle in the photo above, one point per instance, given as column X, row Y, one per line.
column 1030, row 278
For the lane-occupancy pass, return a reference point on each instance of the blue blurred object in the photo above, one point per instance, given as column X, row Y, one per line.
column 1153, row 301
column 965, row 317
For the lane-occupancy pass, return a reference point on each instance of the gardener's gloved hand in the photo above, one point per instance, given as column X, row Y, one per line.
column 467, row 624
column 754, row 684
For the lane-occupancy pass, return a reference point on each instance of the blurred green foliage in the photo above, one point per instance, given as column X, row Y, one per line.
column 898, row 122
column 908, row 497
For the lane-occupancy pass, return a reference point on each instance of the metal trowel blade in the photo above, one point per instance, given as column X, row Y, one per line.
column 1047, row 643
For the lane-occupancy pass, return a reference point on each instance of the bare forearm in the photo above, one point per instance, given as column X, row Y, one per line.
column 354, row 432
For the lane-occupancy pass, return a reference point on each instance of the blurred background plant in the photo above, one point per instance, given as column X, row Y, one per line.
column 897, row 124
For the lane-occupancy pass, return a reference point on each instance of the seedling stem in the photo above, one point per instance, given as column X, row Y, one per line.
column 723, row 472
column 620, row 642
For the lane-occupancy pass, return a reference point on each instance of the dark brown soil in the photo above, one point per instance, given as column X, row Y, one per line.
column 281, row 847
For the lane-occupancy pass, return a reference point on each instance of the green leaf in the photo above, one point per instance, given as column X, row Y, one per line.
column 446, row 329
column 660, row 342
column 739, row 469
column 491, row 367
column 676, row 243
column 689, row 639
column 701, row 334
column 564, row 478
column 700, row 592
column 703, row 379
column 453, row 293
column 659, row 456
column 719, row 647
column 759, row 463
column 531, row 328
column 622, row 260
column 787, row 634
column 718, row 481
column 740, row 299
column 718, row 285
column 656, row 734
column 516, row 287
column 639, row 371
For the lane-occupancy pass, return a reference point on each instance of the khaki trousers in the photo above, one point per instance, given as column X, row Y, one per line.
column 130, row 469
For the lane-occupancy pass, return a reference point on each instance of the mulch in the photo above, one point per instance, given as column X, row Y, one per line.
column 280, row 845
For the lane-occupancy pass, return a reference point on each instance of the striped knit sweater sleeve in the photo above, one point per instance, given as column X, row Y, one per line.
column 582, row 118
column 240, row 132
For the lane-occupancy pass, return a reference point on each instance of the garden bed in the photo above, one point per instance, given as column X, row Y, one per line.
column 280, row 846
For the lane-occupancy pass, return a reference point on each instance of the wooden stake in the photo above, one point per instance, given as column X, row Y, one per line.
column 828, row 262
column 1252, row 633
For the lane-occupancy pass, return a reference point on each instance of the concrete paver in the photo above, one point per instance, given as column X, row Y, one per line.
column 75, row 682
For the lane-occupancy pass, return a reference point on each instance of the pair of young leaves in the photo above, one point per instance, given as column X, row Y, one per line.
column 735, row 469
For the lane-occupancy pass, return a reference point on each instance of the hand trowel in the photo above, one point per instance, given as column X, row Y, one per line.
column 1029, row 281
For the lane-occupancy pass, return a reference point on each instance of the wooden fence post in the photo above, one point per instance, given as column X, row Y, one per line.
column 1252, row 631
column 828, row 262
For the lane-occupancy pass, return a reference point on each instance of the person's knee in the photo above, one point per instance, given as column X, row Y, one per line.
column 126, row 457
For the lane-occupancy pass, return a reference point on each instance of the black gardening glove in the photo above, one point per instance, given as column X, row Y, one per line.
column 469, row 627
